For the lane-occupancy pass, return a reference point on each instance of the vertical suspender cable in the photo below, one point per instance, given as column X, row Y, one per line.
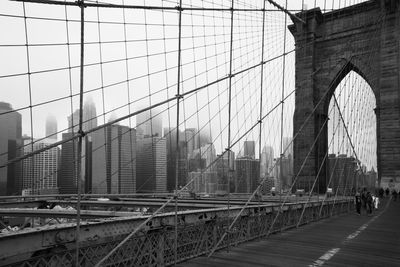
column 177, row 128
column 32, row 160
column 78, row 206
column 261, row 95
column 282, row 104
column 228, row 150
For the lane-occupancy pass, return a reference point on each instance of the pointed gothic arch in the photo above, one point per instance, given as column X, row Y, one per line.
column 363, row 38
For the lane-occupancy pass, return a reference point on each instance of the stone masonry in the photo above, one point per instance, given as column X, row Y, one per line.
column 363, row 38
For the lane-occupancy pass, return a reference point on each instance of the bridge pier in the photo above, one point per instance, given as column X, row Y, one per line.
column 363, row 38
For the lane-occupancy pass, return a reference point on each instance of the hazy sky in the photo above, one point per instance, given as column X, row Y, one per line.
column 143, row 70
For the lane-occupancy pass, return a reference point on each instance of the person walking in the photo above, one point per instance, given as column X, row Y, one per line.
column 387, row 192
column 394, row 194
column 364, row 198
column 376, row 202
column 369, row 201
column 357, row 201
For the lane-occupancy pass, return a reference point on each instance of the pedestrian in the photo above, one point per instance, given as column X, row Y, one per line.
column 394, row 194
column 381, row 192
column 357, row 201
column 364, row 198
column 376, row 202
column 369, row 201
column 387, row 192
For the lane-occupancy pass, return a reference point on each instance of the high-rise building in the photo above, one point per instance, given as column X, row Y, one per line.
column 10, row 148
column 151, row 165
column 204, row 137
column 51, row 127
column 192, row 140
column 173, row 155
column 202, row 182
column 67, row 178
column 208, row 153
column 40, row 170
column 282, row 173
column 224, row 170
column 287, row 147
column 247, row 174
column 89, row 114
column 249, row 149
column 267, row 161
column 113, row 160
column 89, row 117
column 149, row 123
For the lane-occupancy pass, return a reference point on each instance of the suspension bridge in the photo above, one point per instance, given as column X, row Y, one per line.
column 199, row 133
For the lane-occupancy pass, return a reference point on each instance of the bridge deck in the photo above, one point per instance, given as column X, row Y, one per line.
column 349, row 240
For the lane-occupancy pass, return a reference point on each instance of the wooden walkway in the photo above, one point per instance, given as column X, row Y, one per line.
column 349, row 240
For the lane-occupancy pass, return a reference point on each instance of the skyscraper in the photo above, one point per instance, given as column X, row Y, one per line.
column 208, row 153
column 149, row 123
column 247, row 174
column 249, row 148
column 151, row 165
column 224, row 170
column 51, row 127
column 267, row 160
column 288, row 146
column 113, row 160
column 40, row 170
column 174, row 156
column 89, row 114
column 10, row 148
column 192, row 140
column 89, row 117
column 67, row 177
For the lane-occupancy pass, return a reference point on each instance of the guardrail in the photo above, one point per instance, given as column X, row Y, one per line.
column 198, row 232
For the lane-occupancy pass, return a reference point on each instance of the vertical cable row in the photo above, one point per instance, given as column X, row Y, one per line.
column 261, row 179
column 228, row 149
column 80, row 131
column 178, row 96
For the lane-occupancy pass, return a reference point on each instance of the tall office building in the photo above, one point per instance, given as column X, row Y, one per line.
column 202, row 182
column 282, row 173
column 67, row 177
column 89, row 117
column 113, row 164
column 208, row 153
column 89, row 114
column 204, row 137
column 149, row 123
column 267, row 160
column 174, row 156
column 51, row 127
column 40, row 170
column 288, row 146
column 247, row 174
column 151, row 165
column 249, row 149
column 192, row 140
column 10, row 148
column 224, row 170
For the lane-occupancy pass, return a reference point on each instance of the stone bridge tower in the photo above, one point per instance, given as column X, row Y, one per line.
column 363, row 38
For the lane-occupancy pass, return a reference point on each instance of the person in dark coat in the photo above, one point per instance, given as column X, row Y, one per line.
column 357, row 201
column 381, row 192
column 387, row 192
column 369, row 202
column 394, row 194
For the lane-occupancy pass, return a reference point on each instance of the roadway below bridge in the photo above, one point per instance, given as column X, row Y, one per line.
column 347, row 240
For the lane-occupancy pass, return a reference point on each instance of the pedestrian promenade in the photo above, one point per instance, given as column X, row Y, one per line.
column 348, row 240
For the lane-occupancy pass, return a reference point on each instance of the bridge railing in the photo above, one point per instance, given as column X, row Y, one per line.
column 198, row 233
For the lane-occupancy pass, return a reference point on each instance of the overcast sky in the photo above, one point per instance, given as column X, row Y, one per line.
column 119, row 86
